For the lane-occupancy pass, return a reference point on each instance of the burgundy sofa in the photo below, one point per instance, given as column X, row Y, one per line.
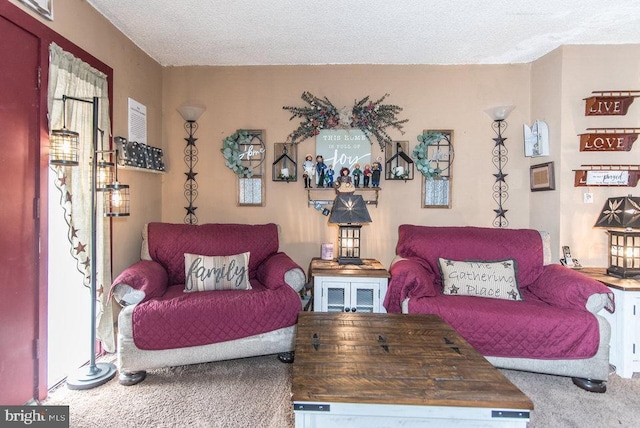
column 554, row 329
column 161, row 325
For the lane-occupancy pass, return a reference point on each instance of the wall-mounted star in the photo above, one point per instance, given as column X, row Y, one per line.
column 191, row 141
column 500, row 212
column 191, row 175
column 191, row 210
column 500, row 176
column 499, row 141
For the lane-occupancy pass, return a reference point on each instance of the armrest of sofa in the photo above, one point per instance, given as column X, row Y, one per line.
column 279, row 269
column 567, row 288
column 409, row 278
column 140, row 282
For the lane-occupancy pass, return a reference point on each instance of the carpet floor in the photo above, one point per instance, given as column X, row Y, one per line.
column 256, row 392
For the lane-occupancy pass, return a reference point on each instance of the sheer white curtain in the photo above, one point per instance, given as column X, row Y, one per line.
column 70, row 76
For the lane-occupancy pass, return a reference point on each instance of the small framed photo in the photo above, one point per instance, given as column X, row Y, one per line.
column 542, row 177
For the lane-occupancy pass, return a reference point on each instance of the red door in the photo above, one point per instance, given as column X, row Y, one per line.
column 19, row 155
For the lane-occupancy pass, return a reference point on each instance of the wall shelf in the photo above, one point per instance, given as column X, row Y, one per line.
column 326, row 196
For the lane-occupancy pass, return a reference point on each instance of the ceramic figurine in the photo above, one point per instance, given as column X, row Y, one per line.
column 357, row 173
column 376, row 170
column 320, row 171
column 308, row 170
column 329, row 176
column 367, row 175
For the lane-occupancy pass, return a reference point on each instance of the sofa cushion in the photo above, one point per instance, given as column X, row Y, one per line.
column 495, row 280
column 167, row 243
column 474, row 243
column 530, row 328
column 178, row 319
column 208, row 273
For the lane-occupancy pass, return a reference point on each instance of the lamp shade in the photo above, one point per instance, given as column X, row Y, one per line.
column 191, row 112
column 500, row 112
column 620, row 212
column 349, row 209
column 63, row 147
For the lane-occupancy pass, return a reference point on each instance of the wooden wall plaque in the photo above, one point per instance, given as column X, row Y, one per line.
column 608, row 139
column 609, row 103
column 607, row 175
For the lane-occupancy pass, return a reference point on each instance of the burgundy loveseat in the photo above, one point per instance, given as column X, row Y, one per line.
column 553, row 329
column 162, row 325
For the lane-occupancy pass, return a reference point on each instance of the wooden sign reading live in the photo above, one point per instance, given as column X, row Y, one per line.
column 608, row 139
column 609, row 103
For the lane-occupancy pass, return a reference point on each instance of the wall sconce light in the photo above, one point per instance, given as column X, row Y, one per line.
column 620, row 216
column 64, row 152
column 191, row 113
column 349, row 212
column 500, row 159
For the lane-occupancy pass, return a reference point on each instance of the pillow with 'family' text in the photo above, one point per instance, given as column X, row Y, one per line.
column 494, row 279
column 206, row 273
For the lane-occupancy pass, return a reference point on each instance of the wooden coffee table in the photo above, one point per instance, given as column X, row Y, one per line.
column 381, row 370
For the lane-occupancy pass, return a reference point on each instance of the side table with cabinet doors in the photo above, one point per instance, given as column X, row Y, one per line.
column 348, row 288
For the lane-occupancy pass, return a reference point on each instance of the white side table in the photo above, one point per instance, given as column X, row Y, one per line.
column 625, row 321
column 348, row 288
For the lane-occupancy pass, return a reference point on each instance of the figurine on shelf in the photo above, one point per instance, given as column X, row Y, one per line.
column 320, row 171
column 376, row 170
column 343, row 182
column 308, row 169
column 329, row 176
column 367, row 175
column 357, row 173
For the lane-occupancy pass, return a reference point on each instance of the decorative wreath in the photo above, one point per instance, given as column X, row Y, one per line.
column 370, row 117
column 421, row 155
column 231, row 152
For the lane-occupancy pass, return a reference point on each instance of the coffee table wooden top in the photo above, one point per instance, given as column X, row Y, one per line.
column 394, row 359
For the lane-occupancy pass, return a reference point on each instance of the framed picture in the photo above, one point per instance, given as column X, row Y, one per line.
column 542, row 177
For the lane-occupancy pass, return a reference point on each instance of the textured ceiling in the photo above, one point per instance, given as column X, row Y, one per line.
column 275, row 32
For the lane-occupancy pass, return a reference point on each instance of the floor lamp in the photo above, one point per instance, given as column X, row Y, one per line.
column 63, row 152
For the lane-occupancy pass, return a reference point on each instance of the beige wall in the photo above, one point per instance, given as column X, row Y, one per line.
column 433, row 97
column 135, row 75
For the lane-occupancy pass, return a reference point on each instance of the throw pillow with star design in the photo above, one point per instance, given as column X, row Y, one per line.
column 491, row 279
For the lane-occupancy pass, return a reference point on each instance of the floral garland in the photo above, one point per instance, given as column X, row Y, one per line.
column 370, row 117
column 231, row 152
column 421, row 156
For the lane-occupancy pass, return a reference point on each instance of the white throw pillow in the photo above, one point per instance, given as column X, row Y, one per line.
column 205, row 273
column 494, row 279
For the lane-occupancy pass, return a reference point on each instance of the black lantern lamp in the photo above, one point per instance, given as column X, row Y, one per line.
column 620, row 216
column 349, row 212
column 117, row 200
column 64, row 152
column 63, row 143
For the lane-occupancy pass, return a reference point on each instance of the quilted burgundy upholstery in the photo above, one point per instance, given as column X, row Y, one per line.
column 550, row 323
column 174, row 319
column 168, row 243
column 178, row 319
column 473, row 243
column 526, row 329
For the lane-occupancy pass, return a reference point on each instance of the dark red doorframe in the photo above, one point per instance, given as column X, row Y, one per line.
column 46, row 36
